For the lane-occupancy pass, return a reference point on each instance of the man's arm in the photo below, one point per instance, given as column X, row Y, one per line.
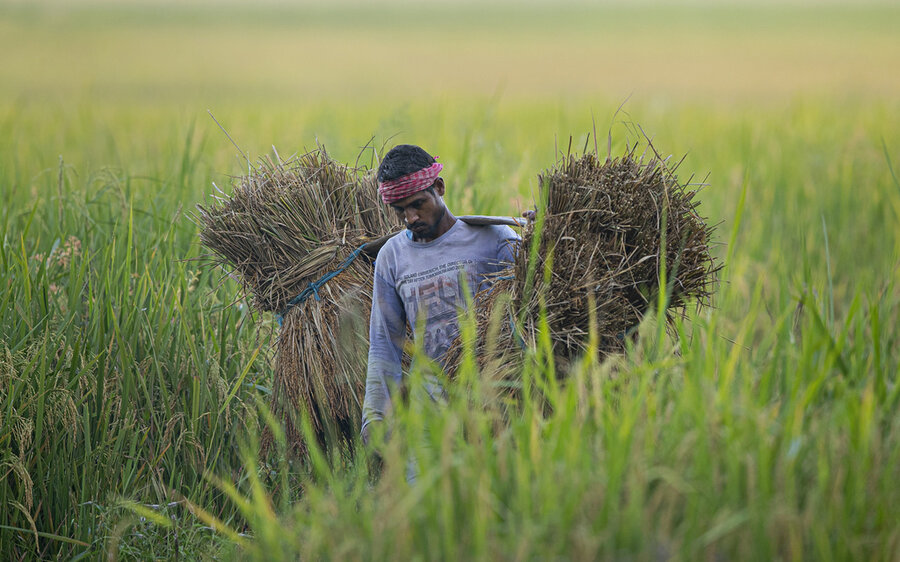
column 387, row 332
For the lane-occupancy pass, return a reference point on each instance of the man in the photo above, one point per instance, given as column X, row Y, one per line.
column 418, row 272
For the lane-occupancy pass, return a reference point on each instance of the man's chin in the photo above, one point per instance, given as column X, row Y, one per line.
column 423, row 232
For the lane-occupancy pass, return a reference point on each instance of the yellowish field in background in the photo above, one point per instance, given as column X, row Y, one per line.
column 139, row 52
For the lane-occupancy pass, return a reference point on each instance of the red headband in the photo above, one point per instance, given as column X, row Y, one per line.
column 404, row 186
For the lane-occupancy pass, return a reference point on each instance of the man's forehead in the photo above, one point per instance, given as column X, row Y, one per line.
column 407, row 201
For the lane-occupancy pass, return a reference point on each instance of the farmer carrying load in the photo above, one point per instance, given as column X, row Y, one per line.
column 418, row 274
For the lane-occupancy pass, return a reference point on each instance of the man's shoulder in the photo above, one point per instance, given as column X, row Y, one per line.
column 387, row 254
column 497, row 232
column 494, row 242
column 390, row 249
column 393, row 242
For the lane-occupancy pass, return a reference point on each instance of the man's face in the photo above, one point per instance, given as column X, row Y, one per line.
column 422, row 212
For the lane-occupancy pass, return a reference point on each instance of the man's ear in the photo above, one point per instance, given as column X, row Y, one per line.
column 439, row 186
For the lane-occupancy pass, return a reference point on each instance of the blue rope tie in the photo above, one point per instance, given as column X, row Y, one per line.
column 516, row 334
column 314, row 286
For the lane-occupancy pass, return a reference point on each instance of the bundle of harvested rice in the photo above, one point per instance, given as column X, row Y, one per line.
column 606, row 226
column 293, row 232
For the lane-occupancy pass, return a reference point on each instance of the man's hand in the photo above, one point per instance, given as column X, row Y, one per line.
column 530, row 215
column 365, row 433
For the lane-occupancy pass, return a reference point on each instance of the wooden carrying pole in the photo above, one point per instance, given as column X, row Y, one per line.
column 372, row 248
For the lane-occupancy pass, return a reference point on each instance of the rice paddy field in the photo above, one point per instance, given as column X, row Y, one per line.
column 134, row 380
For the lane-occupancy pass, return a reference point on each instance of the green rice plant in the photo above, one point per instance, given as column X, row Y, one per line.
column 116, row 365
column 704, row 450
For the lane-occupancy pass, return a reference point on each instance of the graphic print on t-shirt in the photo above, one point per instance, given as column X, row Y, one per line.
column 437, row 294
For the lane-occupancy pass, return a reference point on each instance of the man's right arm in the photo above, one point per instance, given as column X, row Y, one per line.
column 387, row 333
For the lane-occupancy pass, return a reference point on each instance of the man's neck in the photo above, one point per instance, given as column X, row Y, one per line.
column 444, row 225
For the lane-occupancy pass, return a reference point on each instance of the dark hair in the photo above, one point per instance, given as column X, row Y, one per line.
column 402, row 160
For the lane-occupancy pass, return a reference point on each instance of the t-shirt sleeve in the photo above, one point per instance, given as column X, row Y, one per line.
column 507, row 245
column 387, row 333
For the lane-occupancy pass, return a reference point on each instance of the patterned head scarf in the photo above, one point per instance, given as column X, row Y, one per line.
column 404, row 186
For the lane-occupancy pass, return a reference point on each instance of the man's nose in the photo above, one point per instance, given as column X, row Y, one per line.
column 411, row 216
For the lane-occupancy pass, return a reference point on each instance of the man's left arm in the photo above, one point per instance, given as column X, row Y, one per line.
column 387, row 333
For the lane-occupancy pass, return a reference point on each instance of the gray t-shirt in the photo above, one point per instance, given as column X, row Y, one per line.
column 416, row 279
